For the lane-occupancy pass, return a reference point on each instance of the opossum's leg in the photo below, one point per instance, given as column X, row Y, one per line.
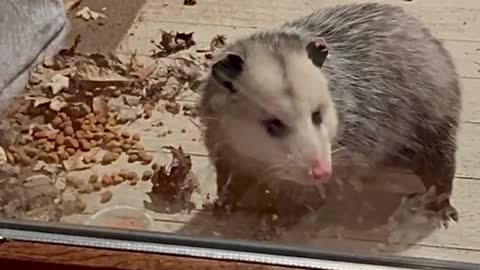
column 436, row 169
column 223, row 174
column 231, row 186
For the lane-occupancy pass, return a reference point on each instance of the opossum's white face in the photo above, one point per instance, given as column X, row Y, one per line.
column 278, row 115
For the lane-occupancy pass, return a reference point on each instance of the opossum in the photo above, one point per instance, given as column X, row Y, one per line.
column 348, row 86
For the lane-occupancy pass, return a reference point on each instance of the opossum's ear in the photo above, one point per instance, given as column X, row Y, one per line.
column 317, row 51
column 227, row 69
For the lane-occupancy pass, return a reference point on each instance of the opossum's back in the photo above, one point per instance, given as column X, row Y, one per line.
column 379, row 51
column 387, row 73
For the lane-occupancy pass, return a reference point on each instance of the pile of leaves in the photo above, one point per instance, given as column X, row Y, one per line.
column 71, row 115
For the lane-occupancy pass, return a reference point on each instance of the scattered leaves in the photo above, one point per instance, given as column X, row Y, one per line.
column 173, row 186
column 172, row 43
column 72, row 108
column 189, row 2
column 87, row 14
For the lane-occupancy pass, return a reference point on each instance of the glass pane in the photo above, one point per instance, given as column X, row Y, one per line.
column 108, row 131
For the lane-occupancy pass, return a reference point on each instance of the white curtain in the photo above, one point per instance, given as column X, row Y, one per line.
column 30, row 31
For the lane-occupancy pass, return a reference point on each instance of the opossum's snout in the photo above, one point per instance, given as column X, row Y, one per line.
column 314, row 153
column 321, row 170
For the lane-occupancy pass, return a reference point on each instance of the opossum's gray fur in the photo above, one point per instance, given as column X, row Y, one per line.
column 394, row 85
column 388, row 76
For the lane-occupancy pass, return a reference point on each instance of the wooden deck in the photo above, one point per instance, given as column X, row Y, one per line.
column 457, row 23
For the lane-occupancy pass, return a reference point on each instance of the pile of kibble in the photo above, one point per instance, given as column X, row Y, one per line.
column 71, row 136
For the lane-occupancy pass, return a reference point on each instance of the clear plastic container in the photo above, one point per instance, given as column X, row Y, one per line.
column 121, row 217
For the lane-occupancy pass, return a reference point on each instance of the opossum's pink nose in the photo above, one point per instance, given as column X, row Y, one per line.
column 321, row 170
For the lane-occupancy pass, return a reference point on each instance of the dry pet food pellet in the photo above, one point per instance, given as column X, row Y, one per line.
column 113, row 144
column 56, row 122
column 93, row 178
column 131, row 175
column 71, row 142
column 109, row 158
column 97, row 186
column 126, row 146
column 85, row 145
column 147, row 159
column 79, row 134
column 117, row 179
column 106, row 196
column 134, row 181
column 52, row 136
column 68, row 131
column 53, row 157
column 60, row 140
column 147, row 175
column 40, row 134
column 132, row 158
column 117, row 150
column 30, row 151
column 107, row 180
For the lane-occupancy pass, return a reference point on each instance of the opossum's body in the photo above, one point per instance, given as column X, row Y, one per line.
column 388, row 91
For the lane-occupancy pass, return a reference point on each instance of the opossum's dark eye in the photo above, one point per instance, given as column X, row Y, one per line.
column 275, row 127
column 317, row 118
column 229, row 86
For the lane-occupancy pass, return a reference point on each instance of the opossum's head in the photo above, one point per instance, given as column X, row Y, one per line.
column 273, row 106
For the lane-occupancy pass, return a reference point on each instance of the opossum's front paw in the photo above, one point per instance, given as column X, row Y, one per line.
column 446, row 210
column 438, row 204
column 224, row 206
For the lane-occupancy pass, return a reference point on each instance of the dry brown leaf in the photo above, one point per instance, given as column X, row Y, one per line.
column 87, row 14
column 37, row 101
column 57, row 105
column 172, row 43
column 96, row 73
column 75, row 162
column 71, row 4
column 58, row 83
column 189, row 2
column 72, row 50
column 174, row 185
column 91, row 77
column 48, row 167
column 219, row 41
column 99, row 105
column 3, row 156
column 138, row 70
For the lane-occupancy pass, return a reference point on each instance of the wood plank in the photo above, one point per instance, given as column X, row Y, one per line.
column 71, row 257
column 449, row 23
column 466, row 55
column 468, row 156
column 470, row 100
